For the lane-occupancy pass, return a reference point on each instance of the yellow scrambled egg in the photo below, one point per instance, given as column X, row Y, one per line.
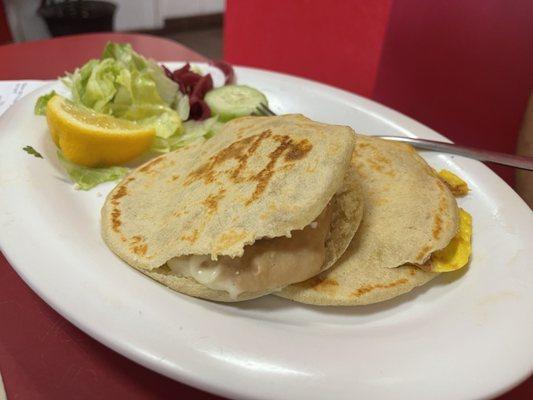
column 457, row 253
column 457, row 186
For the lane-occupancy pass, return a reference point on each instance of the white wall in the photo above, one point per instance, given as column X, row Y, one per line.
column 151, row 14
column 136, row 14
column 25, row 24
column 187, row 8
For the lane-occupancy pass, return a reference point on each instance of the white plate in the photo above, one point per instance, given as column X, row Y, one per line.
column 465, row 335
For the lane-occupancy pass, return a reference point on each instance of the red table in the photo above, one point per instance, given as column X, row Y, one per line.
column 48, row 59
column 43, row 356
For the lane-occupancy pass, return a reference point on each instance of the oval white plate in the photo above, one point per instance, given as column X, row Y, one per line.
column 465, row 335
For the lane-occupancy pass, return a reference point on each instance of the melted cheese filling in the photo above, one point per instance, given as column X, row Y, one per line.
column 265, row 265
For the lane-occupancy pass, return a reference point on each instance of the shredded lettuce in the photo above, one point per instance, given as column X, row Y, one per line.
column 197, row 69
column 126, row 85
column 192, row 130
column 166, row 124
column 86, row 178
column 195, row 129
column 40, row 105
column 183, row 107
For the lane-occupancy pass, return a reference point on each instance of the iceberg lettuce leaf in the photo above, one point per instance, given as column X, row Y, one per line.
column 126, row 85
column 192, row 131
column 42, row 101
column 86, row 178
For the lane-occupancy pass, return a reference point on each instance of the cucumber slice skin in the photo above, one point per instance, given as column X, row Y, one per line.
column 232, row 101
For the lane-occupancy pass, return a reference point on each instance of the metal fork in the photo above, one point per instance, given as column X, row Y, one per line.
column 511, row 160
column 263, row 110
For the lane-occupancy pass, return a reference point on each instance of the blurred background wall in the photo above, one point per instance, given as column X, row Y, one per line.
column 463, row 68
column 131, row 15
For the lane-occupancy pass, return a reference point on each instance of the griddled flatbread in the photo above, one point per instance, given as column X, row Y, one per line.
column 409, row 213
column 260, row 177
column 347, row 213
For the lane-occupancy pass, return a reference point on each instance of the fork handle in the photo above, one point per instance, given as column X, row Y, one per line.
column 511, row 160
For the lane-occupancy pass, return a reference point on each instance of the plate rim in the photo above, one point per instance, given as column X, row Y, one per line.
column 402, row 122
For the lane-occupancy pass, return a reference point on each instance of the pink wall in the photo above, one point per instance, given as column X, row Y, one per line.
column 464, row 68
column 337, row 42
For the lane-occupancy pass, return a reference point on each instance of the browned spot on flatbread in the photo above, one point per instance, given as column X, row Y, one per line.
column 140, row 249
column 115, row 219
column 437, row 228
column 440, row 183
column 319, row 284
column 427, row 266
column 362, row 145
column 377, row 161
column 243, row 158
column 381, row 164
column 438, row 220
column 240, row 151
column 438, row 223
column 295, row 151
column 229, row 238
column 368, row 288
column 115, row 213
column 211, row 202
column 148, row 166
column 175, row 177
column 328, row 286
column 191, row 238
column 382, row 159
column 138, row 246
column 120, row 192
column 288, row 167
column 263, row 177
column 360, row 167
column 422, row 254
column 298, row 150
column 204, row 171
column 443, row 189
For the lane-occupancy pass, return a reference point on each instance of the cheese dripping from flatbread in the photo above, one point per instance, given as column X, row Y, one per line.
column 266, row 263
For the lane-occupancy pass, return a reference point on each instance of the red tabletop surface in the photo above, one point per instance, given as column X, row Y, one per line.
column 48, row 59
column 42, row 355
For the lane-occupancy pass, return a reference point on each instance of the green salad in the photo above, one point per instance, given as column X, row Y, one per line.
column 126, row 85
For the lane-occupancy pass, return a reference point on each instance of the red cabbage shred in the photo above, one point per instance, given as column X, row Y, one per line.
column 196, row 86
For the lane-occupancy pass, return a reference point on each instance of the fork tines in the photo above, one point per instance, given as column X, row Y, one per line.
column 262, row 109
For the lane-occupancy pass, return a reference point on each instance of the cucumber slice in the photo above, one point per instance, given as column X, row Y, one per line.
column 233, row 101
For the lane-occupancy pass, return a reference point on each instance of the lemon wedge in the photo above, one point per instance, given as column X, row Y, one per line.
column 95, row 140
